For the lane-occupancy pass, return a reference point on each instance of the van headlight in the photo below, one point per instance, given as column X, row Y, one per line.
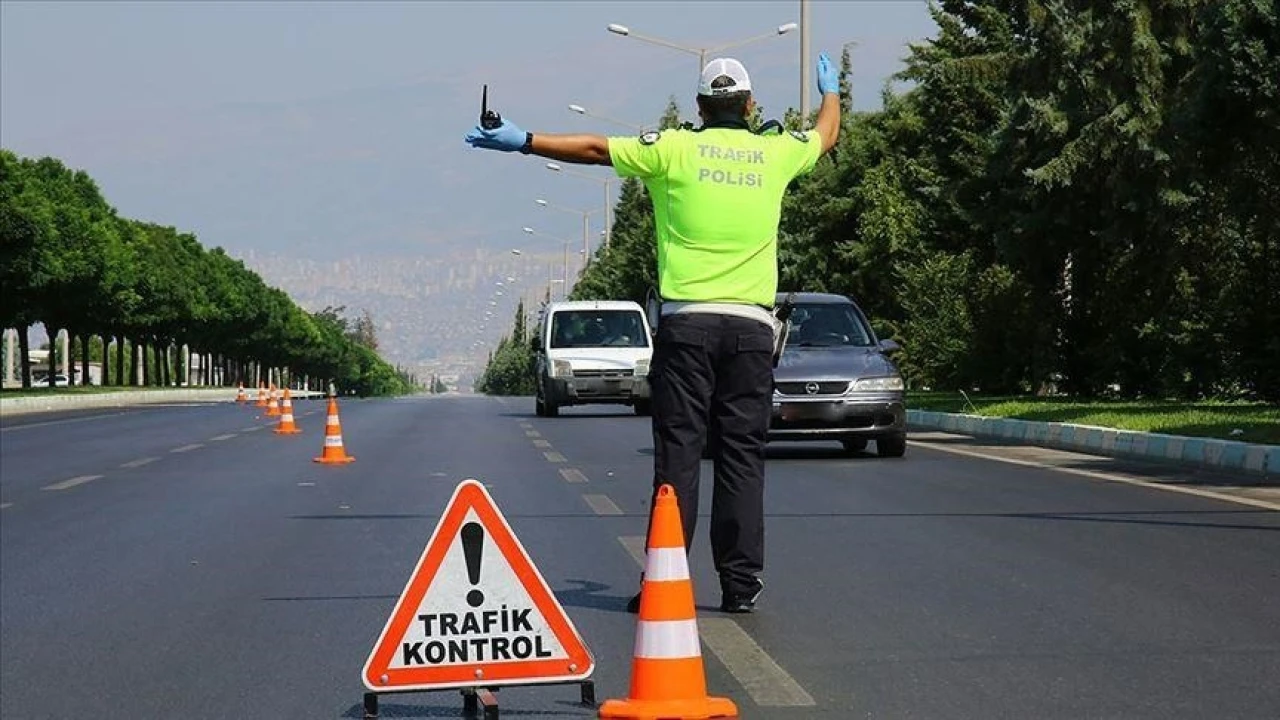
column 561, row 369
column 642, row 367
column 880, row 383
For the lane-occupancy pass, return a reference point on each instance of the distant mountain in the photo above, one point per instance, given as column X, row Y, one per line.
column 434, row 315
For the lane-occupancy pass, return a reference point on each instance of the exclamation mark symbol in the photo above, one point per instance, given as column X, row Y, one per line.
column 472, row 544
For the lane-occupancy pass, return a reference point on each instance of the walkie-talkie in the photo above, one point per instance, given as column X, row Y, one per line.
column 488, row 118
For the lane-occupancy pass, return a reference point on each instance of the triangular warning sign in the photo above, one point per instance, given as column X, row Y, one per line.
column 475, row 612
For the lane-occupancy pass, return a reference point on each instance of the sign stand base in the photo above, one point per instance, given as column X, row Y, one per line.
column 475, row 698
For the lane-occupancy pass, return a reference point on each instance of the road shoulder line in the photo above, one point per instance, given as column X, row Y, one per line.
column 1107, row 477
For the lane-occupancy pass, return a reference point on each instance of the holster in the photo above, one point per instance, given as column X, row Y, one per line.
column 781, row 314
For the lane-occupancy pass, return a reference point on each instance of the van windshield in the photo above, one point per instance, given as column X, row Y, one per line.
column 598, row 328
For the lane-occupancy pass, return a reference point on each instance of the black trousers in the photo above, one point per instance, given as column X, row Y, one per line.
column 713, row 374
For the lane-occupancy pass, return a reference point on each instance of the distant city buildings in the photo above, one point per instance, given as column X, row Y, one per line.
column 434, row 315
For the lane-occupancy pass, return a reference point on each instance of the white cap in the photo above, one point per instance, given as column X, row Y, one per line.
column 724, row 67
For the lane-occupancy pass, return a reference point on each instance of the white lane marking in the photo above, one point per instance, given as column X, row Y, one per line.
column 602, row 505
column 306, row 484
column 1094, row 474
column 139, row 462
column 572, row 475
column 68, row 421
column 542, row 443
column 634, row 545
column 67, row 484
column 250, row 429
column 216, row 438
column 553, row 457
column 186, row 448
column 525, row 425
column 764, row 679
column 532, row 433
column 5, row 505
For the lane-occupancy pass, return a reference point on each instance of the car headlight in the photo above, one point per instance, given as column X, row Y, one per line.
column 642, row 367
column 561, row 369
column 880, row 383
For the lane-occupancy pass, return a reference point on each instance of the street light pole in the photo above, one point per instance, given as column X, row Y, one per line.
column 608, row 224
column 701, row 52
column 583, row 111
column 566, row 243
column 586, row 227
column 804, row 64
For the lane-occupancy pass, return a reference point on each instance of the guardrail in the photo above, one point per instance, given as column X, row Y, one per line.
column 54, row 401
column 1261, row 461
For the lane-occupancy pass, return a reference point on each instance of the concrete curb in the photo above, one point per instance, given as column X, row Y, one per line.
column 1260, row 460
column 56, row 402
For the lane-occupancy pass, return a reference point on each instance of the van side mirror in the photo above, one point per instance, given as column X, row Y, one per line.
column 889, row 346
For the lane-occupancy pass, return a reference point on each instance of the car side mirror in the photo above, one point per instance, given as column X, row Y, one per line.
column 889, row 346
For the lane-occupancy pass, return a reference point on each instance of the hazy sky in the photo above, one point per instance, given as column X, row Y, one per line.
column 333, row 129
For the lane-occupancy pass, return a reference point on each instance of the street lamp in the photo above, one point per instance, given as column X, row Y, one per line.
column 531, row 231
column 586, row 227
column 700, row 52
column 606, row 181
column 583, row 111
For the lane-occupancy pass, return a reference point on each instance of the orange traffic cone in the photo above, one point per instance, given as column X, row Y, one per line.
column 240, row 396
column 262, row 395
column 667, row 678
column 334, row 452
column 273, row 407
column 286, row 426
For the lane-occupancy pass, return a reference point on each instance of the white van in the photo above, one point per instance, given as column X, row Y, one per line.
column 592, row 352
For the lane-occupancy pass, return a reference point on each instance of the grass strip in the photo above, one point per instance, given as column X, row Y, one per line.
column 1251, row 422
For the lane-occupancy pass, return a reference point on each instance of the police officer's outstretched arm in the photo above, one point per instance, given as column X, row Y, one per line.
column 582, row 148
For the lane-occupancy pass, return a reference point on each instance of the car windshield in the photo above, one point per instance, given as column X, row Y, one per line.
column 598, row 328
column 827, row 325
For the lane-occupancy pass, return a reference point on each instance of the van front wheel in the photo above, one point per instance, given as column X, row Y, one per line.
column 642, row 407
column 543, row 407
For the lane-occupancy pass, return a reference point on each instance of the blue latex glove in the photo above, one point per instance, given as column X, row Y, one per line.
column 828, row 76
column 507, row 137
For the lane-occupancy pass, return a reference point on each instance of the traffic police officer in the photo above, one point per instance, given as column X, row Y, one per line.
column 717, row 198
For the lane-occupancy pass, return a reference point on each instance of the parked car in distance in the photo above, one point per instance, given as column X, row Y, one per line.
column 835, row 380
column 592, row 352
column 42, row 380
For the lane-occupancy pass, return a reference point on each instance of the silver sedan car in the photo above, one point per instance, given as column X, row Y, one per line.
column 835, row 381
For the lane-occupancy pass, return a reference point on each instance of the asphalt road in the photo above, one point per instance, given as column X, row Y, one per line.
column 185, row 562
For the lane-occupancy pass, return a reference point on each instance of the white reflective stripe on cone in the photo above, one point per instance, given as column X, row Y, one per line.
column 287, row 417
column 333, row 441
column 331, row 420
column 666, row 564
column 667, row 639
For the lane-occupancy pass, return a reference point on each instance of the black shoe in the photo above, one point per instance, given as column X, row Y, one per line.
column 742, row 603
column 633, row 607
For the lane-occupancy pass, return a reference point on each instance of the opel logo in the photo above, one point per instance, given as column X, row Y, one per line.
column 811, row 388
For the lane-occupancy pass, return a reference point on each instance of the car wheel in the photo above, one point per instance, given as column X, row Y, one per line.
column 642, row 407
column 854, row 445
column 891, row 445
